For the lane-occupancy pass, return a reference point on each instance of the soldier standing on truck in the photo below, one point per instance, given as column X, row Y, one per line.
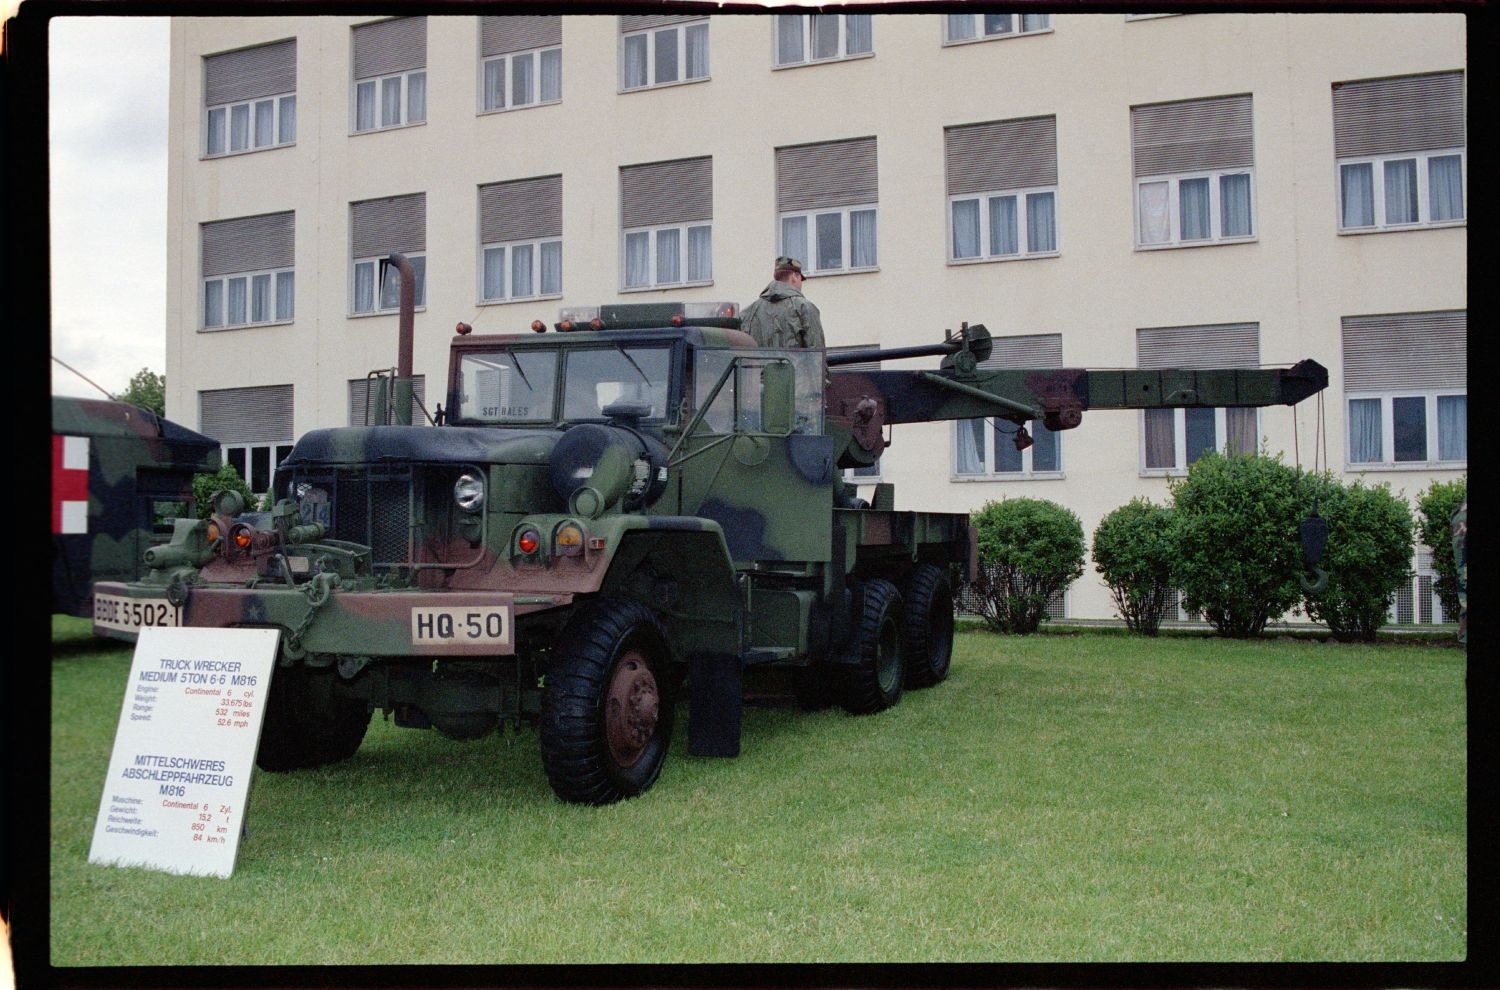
column 782, row 316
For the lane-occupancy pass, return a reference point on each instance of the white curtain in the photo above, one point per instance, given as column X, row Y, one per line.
column 1364, row 431
column 637, row 259
column 794, row 238
column 265, row 123
column 666, row 56
column 697, row 51
column 520, row 271
column 998, row 23
column 1161, row 438
column 1041, row 222
column 216, row 131
column 1003, row 225
column 552, row 268
column 862, row 239
column 239, row 128
column 825, row 35
column 364, row 110
column 1357, row 195
column 1234, row 205
column 213, row 303
column 635, row 60
column 700, row 262
column 236, row 301
column 830, row 241
column 960, row 26
column 552, row 75
column 287, row 126
column 390, row 102
column 966, row 228
column 1445, row 187
column 416, row 97
column 1401, row 191
column 494, row 84
column 1035, row 22
column 857, row 29
column 1453, row 427
column 364, row 287
column 1240, row 425
column 969, row 446
column 668, row 256
column 260, row 299
column 1194, row 198
column 1156, row 218
column 286, row 296
column 419, row 275
column 789, row 39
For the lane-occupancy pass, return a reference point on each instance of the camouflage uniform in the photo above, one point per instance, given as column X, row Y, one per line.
column 1460, row 529
column 783, row 317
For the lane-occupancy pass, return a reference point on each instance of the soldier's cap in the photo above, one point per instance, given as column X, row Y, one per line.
column 785, row 264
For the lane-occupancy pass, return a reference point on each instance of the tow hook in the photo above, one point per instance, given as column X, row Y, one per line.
column 318, row 590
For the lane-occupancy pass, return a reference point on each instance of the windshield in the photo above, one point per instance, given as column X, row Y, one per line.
column 746, row 386
column 598, row 378
column 508, row 386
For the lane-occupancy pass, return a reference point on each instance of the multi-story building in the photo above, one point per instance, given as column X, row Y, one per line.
column 1100, row 190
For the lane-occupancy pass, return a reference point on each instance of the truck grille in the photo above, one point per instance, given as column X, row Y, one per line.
column 370, row 506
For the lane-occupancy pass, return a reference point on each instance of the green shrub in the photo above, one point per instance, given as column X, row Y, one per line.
column 1368, row 556
column 1238, row 554
column 1029, row 549
column 1435, row 508
column 1134, row 552
column 227, row 478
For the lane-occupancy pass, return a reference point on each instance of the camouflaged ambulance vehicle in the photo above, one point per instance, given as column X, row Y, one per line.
column 121, row 476
column 637, row 507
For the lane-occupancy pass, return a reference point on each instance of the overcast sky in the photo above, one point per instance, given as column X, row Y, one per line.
column 108, row 156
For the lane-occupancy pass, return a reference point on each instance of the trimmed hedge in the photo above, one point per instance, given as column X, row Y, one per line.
column 1029, row 549
column 1368, row 556
column 1134, row 551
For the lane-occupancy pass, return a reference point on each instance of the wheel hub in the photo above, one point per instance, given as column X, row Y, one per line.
column 631, row 709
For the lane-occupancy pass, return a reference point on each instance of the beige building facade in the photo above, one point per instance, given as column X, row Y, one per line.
column 1099, row 190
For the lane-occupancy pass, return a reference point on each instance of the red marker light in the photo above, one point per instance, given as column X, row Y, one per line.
column 565, row 326
column 463, row 329
column 676, row 319
column 241, row 537
column 538, row 326
column 596, row 323
column 529, row 541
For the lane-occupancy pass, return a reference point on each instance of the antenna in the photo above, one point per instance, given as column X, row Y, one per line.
column 83, row 376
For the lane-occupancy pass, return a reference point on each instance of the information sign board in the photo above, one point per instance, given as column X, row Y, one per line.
column 174, row 799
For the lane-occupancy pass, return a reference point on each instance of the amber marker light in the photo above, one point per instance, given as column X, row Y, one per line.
column 569, row 540
column 596, row 323
column 463, row 329
column 528, row 541
column 565, row 326
column 538, row 326
column 213, row 531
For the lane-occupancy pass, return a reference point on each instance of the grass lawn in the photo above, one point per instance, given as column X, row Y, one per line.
column 1083, row 797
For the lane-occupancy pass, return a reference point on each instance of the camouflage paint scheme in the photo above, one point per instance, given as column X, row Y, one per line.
column 716, row 503
column 1460, row 528
column 133, row 459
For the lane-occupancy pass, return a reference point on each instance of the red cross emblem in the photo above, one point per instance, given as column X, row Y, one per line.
column 70, row 484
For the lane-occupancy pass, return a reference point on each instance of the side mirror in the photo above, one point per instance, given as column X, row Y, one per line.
column 778, row 398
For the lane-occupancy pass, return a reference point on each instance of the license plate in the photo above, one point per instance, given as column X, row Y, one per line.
column 461, row 625
column 134, row 614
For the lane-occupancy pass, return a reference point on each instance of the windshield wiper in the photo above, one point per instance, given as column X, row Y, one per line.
column 517, row 365
column 637, row 367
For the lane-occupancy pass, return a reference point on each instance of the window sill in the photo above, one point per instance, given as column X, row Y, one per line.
column 1163, row 472
column 841, row 271
column 1182, row 245
column 1007, row 36
column 806, row 63
column 247, row 326
column 518, row 299
column 1402, row 228
column 382, row 312
column 393, row 127
column 665, row 287
column 963, row 262
column 1405, row 466
column 1012, row 476
column 248, row 151
column 622, row 91
column 525, row 106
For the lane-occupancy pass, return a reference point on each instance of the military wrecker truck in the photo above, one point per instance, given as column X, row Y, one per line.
column 640, row 499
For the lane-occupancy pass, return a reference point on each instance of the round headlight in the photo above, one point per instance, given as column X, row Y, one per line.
column 468, row 491
column 300, row 492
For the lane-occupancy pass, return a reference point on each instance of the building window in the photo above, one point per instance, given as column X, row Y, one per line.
column 666, row 223
column 802, row 39
column 390, row 74
column 986, row 448
column 362, row 402
column 1194, row 172
column 248, row 278
column 520, row 239
column 253, row 427
column 379, row 228
column 660, row 50
column 250, row 99
column 1002, row 189
column 987, row 27
column 1400, row 148
column 521, row 61
column 1172, row 439
column 827, row 203
column 1406, row 386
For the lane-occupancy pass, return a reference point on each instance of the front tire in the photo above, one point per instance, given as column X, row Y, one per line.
column 606, row 718
column 870, row 680
column 308, row 723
